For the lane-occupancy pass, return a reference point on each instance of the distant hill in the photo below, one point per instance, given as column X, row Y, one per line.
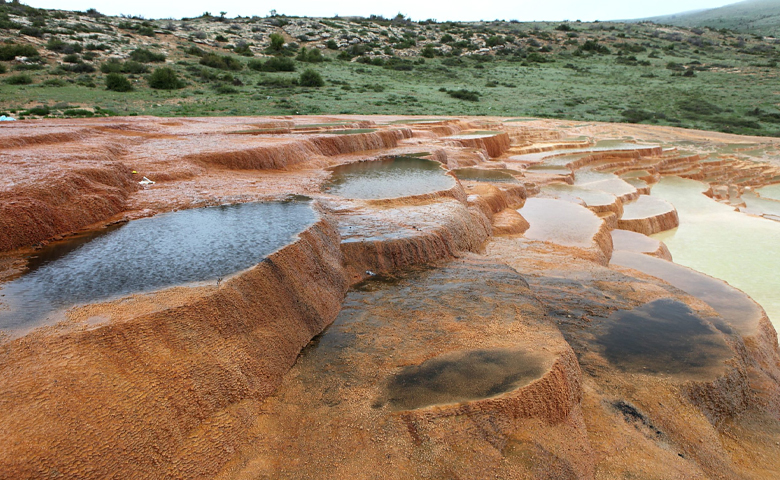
column 761, row 17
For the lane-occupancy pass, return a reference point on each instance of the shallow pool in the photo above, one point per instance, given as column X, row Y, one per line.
column 560, row 222
column 714, row 239
column 391, row 178
column 144, row 255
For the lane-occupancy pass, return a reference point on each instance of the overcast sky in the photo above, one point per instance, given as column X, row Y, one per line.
column 522, row 10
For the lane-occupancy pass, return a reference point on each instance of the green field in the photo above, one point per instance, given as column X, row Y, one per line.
column 708, row 79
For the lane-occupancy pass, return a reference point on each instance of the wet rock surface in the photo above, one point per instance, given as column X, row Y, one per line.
column 494, row 323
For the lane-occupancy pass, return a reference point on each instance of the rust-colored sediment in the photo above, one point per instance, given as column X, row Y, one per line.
column 155, row 395
column 214, row 381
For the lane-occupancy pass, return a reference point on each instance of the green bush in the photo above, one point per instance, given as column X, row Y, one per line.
column 495, row 41
column 164, row 78
column 3, row 68
column 80, row 67
column 145, row 56
column 278, row 82
column 115, row 66
column 310, row 78
column 41, row 111
column 78, row 112
column 221, row 62
column 277, row 42
column 225, row 89
column 332, row 45
column 55, row 82
column 71, row 58
column 275, row 64
column 464, row 94
column 594, row 47
column 428, row 51
column 118, row 83
column 21, row 79
column 57, row 45
column 310, row 55
column 11, row 51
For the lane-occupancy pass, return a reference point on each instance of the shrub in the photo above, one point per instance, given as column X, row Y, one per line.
column 3, row 68
column 55, row 82
column 145, row 56
column 220, row 38
column 41, row 111
column 428, row 51
column 277, row 42
column 494, row 41
column 594, row 47
column 310, row 55
column 464, row 94
column 332, row 45
column 225, row 89
column 57, row 45
column 165, row 78
column 115, row 66
column 71, row 58
column 278, row 82
column 11, row 51
column 242, row 48
column 221, row 62
column 21, row 79
column 118, row 83
column 276, row 64
column 310, row 78
column 78, row 112
column 31, row 32
column 80, row 67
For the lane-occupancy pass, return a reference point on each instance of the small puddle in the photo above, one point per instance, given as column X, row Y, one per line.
column 560, row 222
column 461, row 377
column 148, row 254
column 391, row 178
column 482, row 175
column 663, row 337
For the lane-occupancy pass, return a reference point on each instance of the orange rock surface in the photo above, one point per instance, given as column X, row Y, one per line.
column 427, row 336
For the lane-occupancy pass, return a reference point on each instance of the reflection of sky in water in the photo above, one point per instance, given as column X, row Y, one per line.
column 560, row 222
column 397, row 177
column 152, row 253
column 714, row 239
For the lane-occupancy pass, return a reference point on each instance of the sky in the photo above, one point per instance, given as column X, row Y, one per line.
column 456, row 10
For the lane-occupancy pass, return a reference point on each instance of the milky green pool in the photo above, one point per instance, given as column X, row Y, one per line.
column 712, row 238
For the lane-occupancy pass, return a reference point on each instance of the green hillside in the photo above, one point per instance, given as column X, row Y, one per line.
column 56, row 63
column 759, row 17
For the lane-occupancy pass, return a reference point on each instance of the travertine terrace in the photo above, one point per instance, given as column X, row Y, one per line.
column 518, row 323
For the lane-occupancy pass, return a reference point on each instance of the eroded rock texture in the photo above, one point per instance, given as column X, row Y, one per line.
column 517, row 323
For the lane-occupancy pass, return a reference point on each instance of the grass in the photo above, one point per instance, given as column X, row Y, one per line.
column 589, row 72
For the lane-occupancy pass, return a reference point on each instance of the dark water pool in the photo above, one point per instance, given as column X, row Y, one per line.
column 663, row 337
column 144, row 255
column 461, row 377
